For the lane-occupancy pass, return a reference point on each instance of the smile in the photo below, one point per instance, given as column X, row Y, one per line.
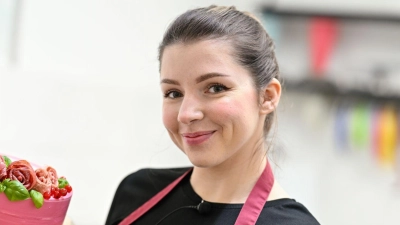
column 197, row 137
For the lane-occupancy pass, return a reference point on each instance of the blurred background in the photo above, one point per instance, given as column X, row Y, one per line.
column 79, row 90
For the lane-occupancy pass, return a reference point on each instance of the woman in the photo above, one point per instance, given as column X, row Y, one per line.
column 220, row 82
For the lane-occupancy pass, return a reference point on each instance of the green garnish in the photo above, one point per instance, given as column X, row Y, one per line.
column 37, row 198
column 7, row 160
column 2, row 187
column 62, row 183
column 15, row 191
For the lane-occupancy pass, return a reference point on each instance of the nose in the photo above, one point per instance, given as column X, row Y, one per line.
column 191, row 109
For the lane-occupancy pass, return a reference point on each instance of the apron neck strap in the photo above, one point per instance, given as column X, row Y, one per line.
column 257, row 198
column 248, row 214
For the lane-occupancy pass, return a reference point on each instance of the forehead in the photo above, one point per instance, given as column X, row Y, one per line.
column 198, row 57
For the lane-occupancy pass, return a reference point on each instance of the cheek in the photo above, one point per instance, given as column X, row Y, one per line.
column 237, row 112
column 229, row 111
column 169, row 117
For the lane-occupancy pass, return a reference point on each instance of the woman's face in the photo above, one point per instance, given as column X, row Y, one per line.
column 210, row 106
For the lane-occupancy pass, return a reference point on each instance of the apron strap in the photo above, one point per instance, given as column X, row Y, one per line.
column 258, row 197
column 152, row 202
column 248, row 214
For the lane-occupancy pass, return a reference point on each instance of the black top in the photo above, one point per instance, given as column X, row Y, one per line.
column 140, row 186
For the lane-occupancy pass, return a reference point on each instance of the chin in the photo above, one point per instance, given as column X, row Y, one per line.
column 203, row 162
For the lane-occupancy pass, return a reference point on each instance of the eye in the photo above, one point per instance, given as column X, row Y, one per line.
column 172, row 94
column 216, row 88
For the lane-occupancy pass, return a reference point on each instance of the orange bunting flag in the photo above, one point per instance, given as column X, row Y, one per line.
column 387, row 136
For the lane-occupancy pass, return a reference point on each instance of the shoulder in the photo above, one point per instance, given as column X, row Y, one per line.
column 145, row 183
column 138, row 187
column 151, row 178
column 287, row 212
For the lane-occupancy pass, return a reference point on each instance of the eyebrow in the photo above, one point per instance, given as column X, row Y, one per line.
column 208, row 76
column 198, row 79
column 169, row 81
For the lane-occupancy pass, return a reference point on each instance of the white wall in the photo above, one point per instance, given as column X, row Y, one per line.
column 83, row 96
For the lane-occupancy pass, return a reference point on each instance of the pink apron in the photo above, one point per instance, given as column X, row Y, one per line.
column 248, row 214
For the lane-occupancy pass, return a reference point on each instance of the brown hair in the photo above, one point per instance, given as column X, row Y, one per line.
column 253, row 48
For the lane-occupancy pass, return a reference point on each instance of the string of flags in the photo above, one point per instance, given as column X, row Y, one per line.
column 368, row 126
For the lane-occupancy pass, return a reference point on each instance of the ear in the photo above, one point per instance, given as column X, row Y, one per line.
column 270, row 96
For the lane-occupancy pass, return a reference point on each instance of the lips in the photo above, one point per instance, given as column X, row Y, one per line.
column 197, row 137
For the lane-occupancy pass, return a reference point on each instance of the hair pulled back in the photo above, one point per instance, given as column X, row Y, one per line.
column 252, row 46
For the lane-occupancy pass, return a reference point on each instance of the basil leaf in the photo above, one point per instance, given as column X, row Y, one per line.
column 7, row 160
column 15, row 191
column 62, row 183
column 2, row 188
column 37, row 198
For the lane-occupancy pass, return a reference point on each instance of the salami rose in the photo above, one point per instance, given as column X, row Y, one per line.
column 22, row 171
column 43, row 181
column 3, row 168
column 52, row 173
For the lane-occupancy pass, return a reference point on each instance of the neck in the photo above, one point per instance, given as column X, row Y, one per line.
column 231, row 182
